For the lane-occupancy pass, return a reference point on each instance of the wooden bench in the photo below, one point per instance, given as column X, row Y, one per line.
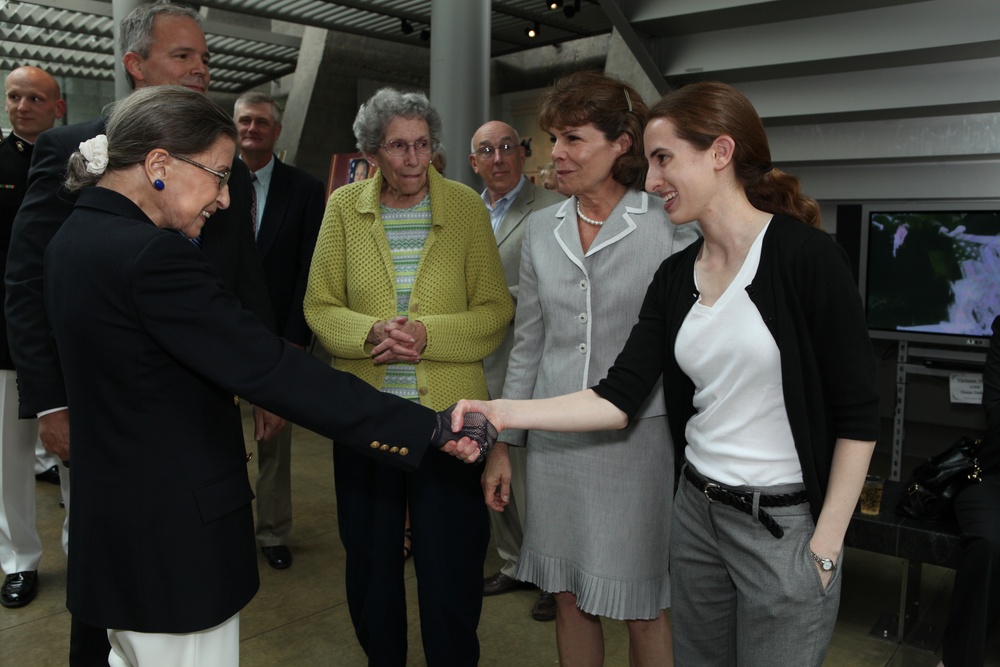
column 916, row 542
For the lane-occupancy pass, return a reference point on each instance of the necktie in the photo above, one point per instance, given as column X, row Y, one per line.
column 253, row 202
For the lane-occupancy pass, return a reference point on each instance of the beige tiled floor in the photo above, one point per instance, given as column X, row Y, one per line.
column 300, row 616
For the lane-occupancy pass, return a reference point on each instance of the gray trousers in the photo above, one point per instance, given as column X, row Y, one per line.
column 274, row 489
column 739, row 595
column 508, row 526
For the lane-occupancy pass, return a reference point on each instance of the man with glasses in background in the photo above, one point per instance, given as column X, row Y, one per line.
column 498, row 157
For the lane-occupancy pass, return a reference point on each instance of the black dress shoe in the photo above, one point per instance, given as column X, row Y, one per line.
column 51, row 475
column 19, row 589
column 501, row 583
column 545, row 607
column 278, row 557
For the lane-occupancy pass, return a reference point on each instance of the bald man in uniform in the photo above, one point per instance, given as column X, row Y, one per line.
column 33, row 103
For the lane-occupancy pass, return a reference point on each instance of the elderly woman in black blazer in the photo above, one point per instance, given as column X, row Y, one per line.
column 154, row 352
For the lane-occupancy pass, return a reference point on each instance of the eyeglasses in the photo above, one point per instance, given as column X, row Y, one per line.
column 399, row 148
column 488, row 152
column 223, row 175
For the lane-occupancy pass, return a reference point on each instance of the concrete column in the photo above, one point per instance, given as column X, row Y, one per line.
column 300, row 97
column 623, row 64
column 460, row 77
column 119, row 10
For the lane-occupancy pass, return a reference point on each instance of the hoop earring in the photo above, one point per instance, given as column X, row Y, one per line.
column 158, row 184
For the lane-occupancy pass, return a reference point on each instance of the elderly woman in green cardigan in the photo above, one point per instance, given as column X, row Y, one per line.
column 407, row 292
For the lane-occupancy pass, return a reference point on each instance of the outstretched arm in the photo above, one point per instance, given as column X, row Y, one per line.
column 578, row 412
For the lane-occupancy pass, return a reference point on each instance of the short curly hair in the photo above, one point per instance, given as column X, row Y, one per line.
column 388, row 103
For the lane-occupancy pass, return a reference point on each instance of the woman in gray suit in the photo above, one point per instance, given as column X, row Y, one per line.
column 584, row 269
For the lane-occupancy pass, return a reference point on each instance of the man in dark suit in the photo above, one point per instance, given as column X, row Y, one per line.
column 33, row 103
column 286, row 213
column 163, row 44
column 498, row 157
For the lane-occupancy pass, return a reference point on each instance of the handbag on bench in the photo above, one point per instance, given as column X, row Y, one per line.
column 935, row 482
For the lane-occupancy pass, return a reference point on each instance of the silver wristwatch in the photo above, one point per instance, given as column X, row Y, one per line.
column 825, row 564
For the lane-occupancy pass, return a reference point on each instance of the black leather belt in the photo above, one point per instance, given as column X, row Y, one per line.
column 744, row 500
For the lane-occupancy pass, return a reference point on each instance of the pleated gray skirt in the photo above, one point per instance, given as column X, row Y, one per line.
column 598, row 518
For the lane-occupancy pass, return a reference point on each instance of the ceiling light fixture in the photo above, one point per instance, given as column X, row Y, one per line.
column 570, row 10
column 553, row 4
column 405, row 26
column 532, row 31
column 425, row 35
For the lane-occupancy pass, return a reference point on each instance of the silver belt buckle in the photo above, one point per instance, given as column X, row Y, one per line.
column 708, row 487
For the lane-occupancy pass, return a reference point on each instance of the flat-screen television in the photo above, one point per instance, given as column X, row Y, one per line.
column 929, row 272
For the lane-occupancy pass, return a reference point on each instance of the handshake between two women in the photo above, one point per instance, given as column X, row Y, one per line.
column 468, row 435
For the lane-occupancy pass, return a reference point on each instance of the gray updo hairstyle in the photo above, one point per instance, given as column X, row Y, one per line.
column 174, row 118
column 375, row 115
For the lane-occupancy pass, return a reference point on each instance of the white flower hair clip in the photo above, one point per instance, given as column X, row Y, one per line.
column 95, row 152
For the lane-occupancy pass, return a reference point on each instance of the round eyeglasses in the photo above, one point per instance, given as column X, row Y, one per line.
column 222, row 175
column 399, row 148
column 489, row 152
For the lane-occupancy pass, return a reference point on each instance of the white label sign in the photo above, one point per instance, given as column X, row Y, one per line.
column 966, row 388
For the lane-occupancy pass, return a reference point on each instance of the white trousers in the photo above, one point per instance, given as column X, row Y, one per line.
column 215, row 647
column 20, row 546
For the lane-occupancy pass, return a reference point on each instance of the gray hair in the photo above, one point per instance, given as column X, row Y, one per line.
column 136, row 29
column 253, row 98
column 176, row 119
column 388, row 103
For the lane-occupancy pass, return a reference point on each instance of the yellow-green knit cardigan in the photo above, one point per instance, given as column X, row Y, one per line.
column 459, row 293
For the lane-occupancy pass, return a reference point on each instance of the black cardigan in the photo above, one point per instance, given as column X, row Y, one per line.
column 808, row 300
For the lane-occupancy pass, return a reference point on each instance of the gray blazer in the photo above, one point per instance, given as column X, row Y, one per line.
column 509, row 236
column 576, row 310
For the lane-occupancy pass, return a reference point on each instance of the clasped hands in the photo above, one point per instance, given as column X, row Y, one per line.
column 397, row 340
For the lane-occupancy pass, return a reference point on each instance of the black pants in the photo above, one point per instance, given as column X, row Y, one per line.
column 975, row 604
column 88, row 646
column 450, row 537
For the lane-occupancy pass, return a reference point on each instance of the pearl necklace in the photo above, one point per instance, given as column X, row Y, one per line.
column 589, row 221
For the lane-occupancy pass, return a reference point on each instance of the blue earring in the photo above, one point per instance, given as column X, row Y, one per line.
column 158, row 184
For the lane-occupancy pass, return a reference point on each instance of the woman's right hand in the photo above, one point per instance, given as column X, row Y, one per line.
column 487, row 408
column 496, row 477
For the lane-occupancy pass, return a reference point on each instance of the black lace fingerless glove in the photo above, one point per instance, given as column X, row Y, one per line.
column 476, row 426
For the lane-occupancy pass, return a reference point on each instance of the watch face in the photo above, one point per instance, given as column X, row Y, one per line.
column 827, row 564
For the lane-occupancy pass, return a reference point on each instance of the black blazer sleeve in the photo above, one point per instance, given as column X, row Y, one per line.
column 45, row 207
column 178, row 302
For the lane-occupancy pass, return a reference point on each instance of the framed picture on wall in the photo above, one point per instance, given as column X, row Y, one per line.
column 348, row 168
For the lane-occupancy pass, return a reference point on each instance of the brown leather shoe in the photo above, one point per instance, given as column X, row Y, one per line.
column 501, row 583
column 545, row 607
column 19, row 588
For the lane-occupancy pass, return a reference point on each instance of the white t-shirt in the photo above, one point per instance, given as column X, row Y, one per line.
column 740, row 435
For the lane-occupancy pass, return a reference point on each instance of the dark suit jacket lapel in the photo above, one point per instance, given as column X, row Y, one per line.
column 278, row 193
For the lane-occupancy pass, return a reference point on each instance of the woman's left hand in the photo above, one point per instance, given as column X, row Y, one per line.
column 824, row 576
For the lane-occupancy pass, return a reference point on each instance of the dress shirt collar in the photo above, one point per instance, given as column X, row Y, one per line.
column 500, row 208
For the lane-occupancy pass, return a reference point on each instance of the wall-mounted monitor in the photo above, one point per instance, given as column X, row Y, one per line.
column 929, row 272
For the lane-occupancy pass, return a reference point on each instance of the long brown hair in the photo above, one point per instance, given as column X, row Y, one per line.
column 611, row 105
column 701, row 112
